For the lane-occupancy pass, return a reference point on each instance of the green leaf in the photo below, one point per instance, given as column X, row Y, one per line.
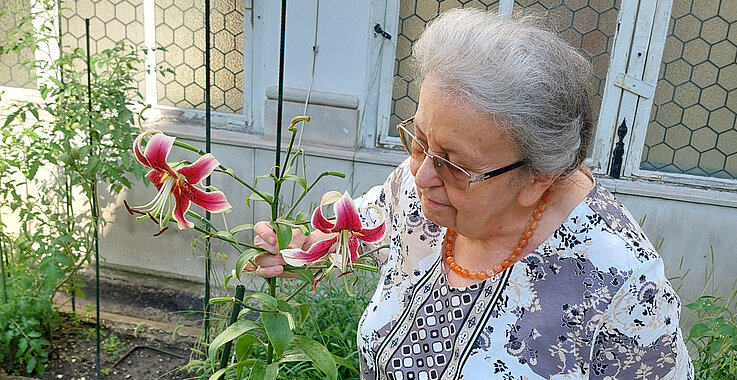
column 283, row 306
column 277, row 330
column 267, row 301
column 225, row 235
column 243, row 344
column 345, row 363
column 233, row 331
column 268, row 198
column 241, row 227
column 243, row 259
column 260, row 371
column 319, row 355
column 283, row 234
column 300, row 180
column 304, row 312
column 31, row 365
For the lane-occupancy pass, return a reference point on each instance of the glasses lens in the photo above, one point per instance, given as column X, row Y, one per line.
column 451, row 174
column 409, row 141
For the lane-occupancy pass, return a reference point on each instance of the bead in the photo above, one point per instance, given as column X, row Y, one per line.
column 482, row 275
column 449, row 247
column 450, row 260
column 533, row 225
column 506, row 263
column 497, row 268
column 529, row 233
column 458, row 269
column 517, row 251
column 522, row 242
column 473, row 275
column 537, row 215
column 465, row 273
column 453, row 266
column 543, row 207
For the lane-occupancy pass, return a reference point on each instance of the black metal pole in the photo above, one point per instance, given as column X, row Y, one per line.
column 240, row 291
column 93, row 194
column 280, row 98
column 208, row 260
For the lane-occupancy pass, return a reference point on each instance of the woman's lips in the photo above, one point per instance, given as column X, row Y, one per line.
column 426, row 201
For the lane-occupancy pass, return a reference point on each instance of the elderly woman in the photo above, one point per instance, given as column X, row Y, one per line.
column 507, row 260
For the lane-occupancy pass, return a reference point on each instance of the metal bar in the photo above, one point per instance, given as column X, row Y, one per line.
column 93, row 195
column 240, row 291
column 208, row 120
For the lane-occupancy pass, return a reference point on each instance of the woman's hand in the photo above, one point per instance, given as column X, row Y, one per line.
column 272, row 264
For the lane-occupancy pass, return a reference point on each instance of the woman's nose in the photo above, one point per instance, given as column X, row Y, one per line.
column 426, row 175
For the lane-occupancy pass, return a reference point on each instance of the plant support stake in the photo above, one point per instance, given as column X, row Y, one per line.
column 240, row 291
column 208, row 259
column 93, row 194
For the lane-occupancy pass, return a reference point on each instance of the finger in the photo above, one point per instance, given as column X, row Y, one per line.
column 273, row 271
column 259, row 242
column 268, row 259
column 263, row 229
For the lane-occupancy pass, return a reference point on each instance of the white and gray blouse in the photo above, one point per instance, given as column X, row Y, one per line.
column 591, row 302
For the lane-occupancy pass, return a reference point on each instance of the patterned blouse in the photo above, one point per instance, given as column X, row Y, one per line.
column 591, row 302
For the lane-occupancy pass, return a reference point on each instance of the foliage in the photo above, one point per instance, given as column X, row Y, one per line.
column 50, row 152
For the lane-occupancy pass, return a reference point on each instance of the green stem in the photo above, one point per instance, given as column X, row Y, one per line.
column 2, row 263
column 222, row 168
column 309, row 188
column 372, row 251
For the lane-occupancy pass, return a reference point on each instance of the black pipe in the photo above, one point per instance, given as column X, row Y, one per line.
column 93, row 195
column 208, row 260
column 240, row 291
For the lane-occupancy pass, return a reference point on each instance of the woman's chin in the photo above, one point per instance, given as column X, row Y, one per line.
column 437, row 213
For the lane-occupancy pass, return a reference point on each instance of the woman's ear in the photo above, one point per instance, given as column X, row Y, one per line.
column 532, row 190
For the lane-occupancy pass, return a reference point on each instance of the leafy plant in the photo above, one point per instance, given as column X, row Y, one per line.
column 51, row 152
column 713, row 338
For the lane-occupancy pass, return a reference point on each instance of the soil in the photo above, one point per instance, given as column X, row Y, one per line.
column 149, row 324
column 122, row 356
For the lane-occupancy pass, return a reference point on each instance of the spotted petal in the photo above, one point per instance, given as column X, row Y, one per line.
column 180, row 209
column 297, row 257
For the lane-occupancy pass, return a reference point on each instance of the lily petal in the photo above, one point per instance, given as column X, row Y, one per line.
column 318, row 220
column 157, row 178
column 180, row 209
column 199, row 169
column 372, row 234
column 157, row 149
column 214, row 201
column 352, row 248
column 347, row 217
column 297, row 257
column 137, row 148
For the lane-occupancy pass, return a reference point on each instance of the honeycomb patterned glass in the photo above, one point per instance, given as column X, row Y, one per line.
column 413, row 17
column 180, row 30
column 588, row 25
column 692, row 124
column 111, row 22
column 12, row 71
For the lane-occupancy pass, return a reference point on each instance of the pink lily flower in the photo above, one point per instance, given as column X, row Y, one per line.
column 178, row 182
column 348, row 231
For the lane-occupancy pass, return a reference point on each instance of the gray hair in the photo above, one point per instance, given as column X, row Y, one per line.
column 533, row 83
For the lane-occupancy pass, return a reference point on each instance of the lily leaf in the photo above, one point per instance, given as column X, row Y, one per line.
column 345, row 363
column 268, row 198
column 304, row 312
column 277, row 330
column 261, row 371
column 300, row 180
column 233, row 331
column 243, row 345
column 283, row 234
column 241, row 227
column 225, row 235
column 243, row 259
column 319, row 355
column 267, row 301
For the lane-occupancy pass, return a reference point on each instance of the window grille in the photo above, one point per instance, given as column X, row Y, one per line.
column 588, row 25
column 180, row 30
column 12, row 71
column 692, row 128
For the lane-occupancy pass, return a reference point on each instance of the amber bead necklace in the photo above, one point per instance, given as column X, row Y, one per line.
column 513, row 257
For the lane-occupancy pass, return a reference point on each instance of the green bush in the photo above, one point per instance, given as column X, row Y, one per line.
column 713, row 339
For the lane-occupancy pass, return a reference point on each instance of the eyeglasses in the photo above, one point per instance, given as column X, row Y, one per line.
column 451, row 174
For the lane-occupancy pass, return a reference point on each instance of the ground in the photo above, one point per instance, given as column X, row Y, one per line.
column 150, row 325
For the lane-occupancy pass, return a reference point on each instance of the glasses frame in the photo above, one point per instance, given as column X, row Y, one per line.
column 439, row 161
